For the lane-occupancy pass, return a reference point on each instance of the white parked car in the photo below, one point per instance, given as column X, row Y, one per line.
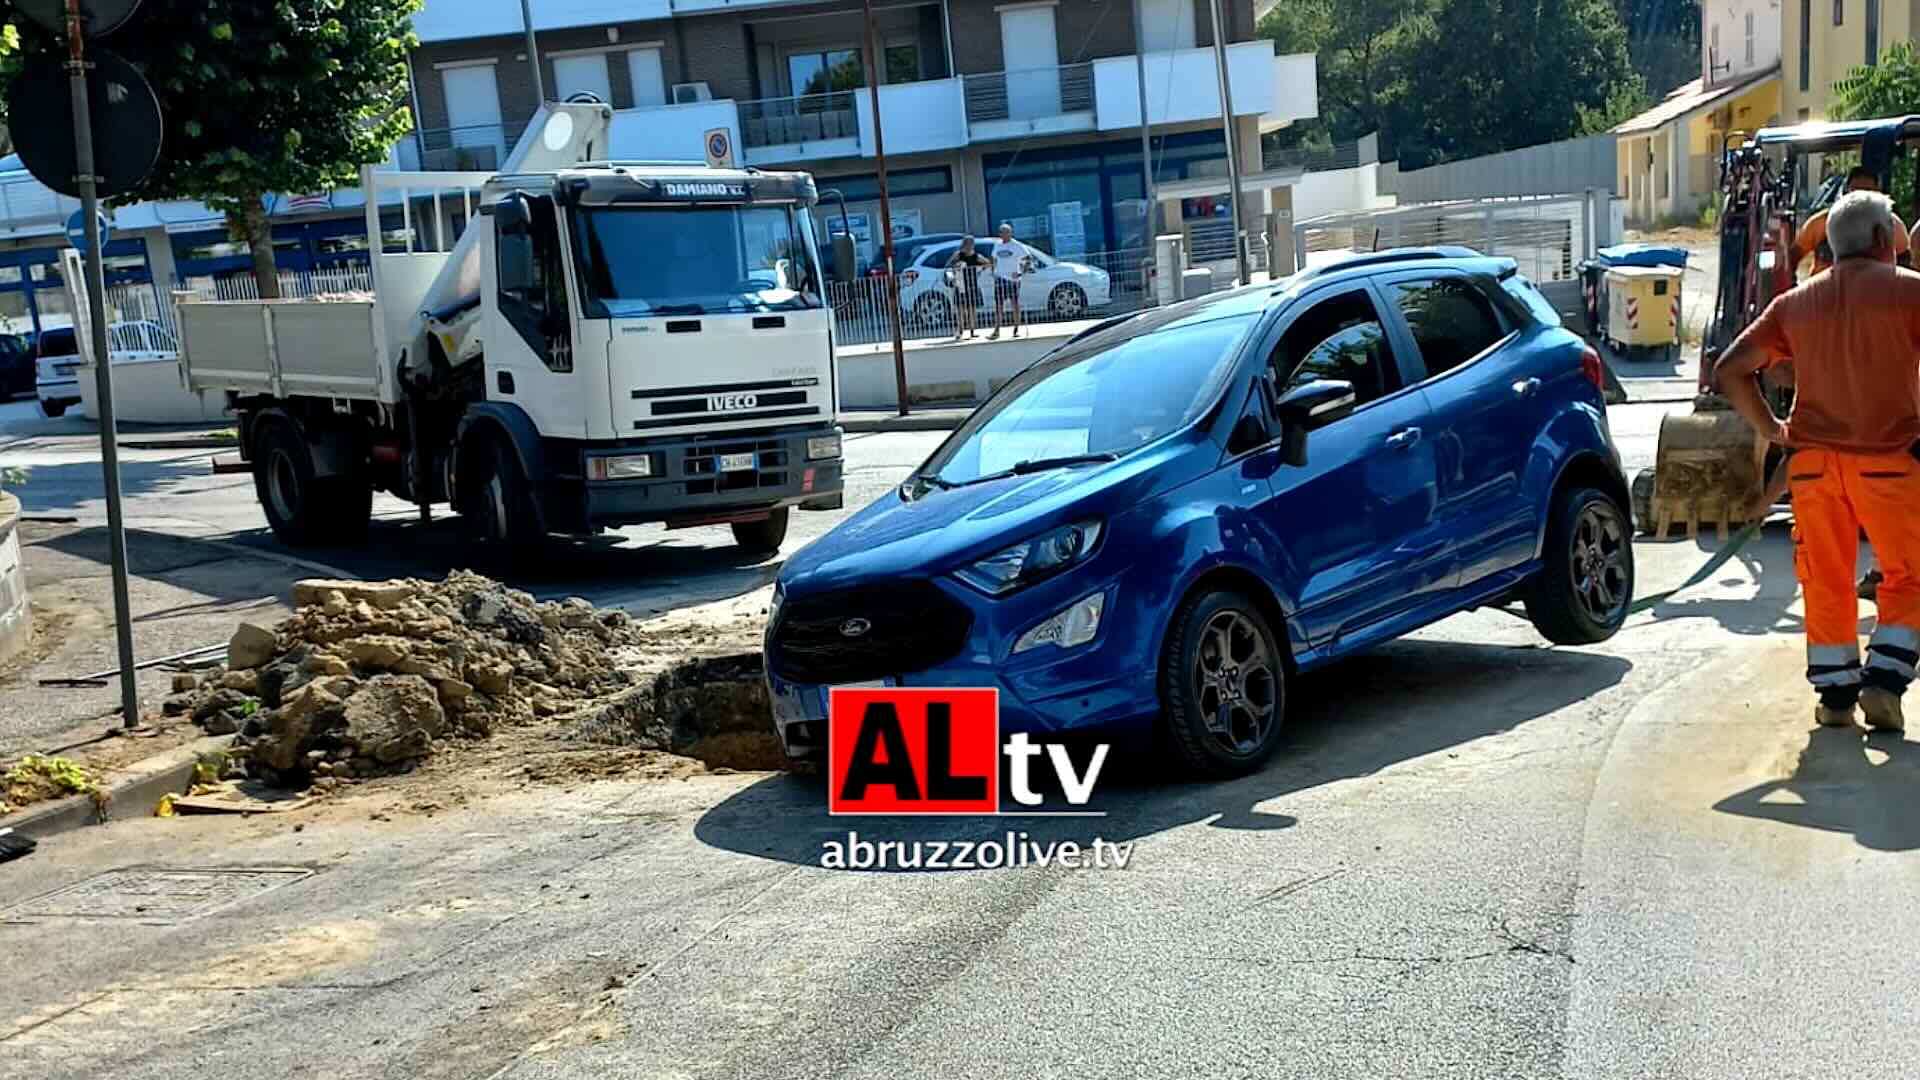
column 57, row 358
column 1063, row 290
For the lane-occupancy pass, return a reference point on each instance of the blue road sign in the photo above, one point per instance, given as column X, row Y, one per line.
column 77, row 230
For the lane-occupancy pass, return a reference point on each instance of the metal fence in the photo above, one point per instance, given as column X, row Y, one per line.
column 1034, row 94
column 804, row 119
column 1562, row 168
column 929, row 304
column 1546, row 237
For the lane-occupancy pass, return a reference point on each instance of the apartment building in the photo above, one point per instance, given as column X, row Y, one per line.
column 1024, row 112
column 1825, row 39
column 1668, row 155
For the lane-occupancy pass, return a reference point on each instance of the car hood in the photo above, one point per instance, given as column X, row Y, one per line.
column 944, row 530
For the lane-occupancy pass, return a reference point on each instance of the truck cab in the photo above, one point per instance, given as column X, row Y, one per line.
column 635, row 318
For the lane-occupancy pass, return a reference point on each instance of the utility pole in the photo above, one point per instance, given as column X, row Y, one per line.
column 533, row 55
column 1233, row 150
column 886, row 214
column 1146, row 141
column 83, row 167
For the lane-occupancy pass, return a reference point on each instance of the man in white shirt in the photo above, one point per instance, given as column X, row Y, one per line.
column 1010, row 258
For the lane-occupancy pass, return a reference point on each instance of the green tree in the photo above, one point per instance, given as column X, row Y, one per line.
column 1363, row 48
column 263, row 96
column 1888, row 88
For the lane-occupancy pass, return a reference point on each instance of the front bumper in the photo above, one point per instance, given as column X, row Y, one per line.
column 689, row 484
column 1109, row 685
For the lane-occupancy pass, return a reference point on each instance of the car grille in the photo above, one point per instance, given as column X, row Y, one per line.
column 912, row 626
column 701, row 466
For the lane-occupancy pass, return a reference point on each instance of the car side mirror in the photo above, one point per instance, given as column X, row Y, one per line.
column 511, row 215
column 1308, row 407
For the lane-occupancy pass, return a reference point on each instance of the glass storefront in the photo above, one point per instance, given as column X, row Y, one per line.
column 34, row 298
column 1074, row 201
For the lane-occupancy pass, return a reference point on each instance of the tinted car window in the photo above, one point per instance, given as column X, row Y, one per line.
column 1111, row 394
column 940, row 256
column 1450, row 319
column 1338, row 338
column 58, row 343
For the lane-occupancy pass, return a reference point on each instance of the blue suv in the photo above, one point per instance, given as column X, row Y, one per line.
column 1170, row 516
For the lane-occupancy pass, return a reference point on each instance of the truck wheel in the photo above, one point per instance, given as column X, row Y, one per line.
column 1223, row 679
column 507, row 514
column 762, row 537
column 1581, row 596
column 284, row 482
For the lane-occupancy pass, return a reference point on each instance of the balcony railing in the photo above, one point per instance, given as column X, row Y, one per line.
column 1034, row 94
column 807, row 118
column 476, row 148
column 1316, row 159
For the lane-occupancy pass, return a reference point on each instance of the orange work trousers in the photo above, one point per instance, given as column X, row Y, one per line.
column 1835, row 496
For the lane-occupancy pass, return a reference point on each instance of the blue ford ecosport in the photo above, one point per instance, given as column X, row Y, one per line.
column 1169, row 516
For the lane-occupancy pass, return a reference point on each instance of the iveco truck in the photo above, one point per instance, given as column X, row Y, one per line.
column 605, row 343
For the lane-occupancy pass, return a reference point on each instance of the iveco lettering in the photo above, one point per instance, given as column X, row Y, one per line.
column 1160, row 524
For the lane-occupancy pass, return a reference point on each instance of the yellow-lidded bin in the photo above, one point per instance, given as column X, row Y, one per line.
column 1643, row 306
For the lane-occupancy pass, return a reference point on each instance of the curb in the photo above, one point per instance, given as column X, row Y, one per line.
column 134, row 794
column 861, row 425
column 187, row 443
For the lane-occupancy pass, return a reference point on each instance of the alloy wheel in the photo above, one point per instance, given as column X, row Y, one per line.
column 1600, row 575
column 1234, row 684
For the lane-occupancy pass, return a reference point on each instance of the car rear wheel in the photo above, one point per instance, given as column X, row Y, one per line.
column 762, row 537
column 1067, row 302
column 1581, row 595
column 933, row 312
column 1223, row 682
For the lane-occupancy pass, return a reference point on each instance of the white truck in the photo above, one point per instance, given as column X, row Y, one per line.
column 606, row 344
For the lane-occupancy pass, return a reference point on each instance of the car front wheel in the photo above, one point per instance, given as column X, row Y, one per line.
column 1581, row 595
column 1223, row 682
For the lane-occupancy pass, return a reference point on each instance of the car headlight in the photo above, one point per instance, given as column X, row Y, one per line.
column 1077, row 625
column 631, row 467
column 823, row 446
column 1035, row 560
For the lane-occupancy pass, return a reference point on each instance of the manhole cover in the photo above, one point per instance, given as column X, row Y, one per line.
column 154, row 895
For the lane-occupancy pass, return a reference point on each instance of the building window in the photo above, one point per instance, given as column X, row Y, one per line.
column 1873, row 32
column 825, row 71
column 902, row 62
column 1806, row 46
column 1839, row 12
column 900, row 184
column 1749, row 39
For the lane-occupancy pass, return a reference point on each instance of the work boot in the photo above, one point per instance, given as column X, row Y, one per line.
column 1828, row 716
column 1882, row 707
column 1870, row 585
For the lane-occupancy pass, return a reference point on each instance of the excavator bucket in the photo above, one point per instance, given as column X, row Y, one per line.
column 1709, row 468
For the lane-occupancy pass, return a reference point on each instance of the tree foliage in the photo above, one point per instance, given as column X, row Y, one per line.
column 1446, row 79
column 1888, row 88
column 263, row 96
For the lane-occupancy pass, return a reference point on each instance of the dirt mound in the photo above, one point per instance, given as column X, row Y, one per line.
column 368, row 678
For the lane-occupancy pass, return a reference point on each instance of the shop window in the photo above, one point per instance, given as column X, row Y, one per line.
column 901, row 183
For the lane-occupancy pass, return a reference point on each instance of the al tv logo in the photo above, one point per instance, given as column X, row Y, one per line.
column 938, row 751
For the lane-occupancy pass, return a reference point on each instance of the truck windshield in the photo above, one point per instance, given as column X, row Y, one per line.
column 639, row 261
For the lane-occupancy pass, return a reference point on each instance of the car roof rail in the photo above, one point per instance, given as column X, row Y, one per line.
column 1391, row 256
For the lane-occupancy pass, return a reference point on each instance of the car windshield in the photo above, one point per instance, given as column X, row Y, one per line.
column 639, row 261
column 1111, row 394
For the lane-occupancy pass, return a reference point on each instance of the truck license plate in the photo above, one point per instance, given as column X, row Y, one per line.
column 736, row 462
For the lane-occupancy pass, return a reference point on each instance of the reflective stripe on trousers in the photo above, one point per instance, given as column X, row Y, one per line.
column 1836, row 496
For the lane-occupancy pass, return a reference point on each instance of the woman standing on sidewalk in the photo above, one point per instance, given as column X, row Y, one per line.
column 966, row 265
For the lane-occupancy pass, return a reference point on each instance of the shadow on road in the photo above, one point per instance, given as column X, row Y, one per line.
column 61, row 489
column 1869, row 788
column 670, row 569
column 1406, row 701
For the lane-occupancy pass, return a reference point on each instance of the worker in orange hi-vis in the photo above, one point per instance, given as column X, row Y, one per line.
column 1853, row 334
column 1812, row 237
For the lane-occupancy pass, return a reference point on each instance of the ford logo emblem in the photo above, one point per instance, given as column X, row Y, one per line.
column 855, row 628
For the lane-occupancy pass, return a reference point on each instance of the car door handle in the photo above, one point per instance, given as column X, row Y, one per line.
column 1526, row 388
column 1405, row 439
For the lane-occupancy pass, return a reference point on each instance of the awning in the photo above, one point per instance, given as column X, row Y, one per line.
column 1690, row 100
column 1203, row 186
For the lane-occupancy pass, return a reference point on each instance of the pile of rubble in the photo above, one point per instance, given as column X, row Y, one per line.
column 367, row 678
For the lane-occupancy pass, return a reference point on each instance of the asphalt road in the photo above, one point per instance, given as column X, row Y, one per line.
column 1476, row 856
